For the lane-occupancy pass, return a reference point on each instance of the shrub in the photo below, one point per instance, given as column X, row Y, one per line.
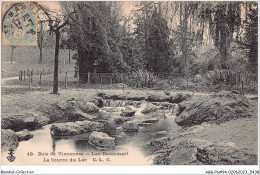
column 141, row 79
column 162, row 85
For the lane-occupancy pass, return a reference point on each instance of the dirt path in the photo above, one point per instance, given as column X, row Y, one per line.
column 4, row 80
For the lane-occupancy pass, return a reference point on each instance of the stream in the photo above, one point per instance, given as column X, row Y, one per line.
column 134, row 148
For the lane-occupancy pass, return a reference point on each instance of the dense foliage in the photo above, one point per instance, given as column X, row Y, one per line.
column 180, row 38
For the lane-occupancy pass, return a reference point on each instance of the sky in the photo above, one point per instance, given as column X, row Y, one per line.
column 54, row 5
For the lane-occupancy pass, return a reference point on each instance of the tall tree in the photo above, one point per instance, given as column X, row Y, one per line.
column 40, row 40
column 67, row 42
column 128, row 46
column 251, row 35
column 44, row 38
column 158, row 57
column 187, row 10
column 152, row 37
column 12, row 53
column 182, row 20
column 97, row 31
column 142, row 17
column 56, row 23
column 223, row 19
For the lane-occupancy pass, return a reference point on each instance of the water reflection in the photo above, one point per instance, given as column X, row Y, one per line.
column 136, row 144
column 53, row 145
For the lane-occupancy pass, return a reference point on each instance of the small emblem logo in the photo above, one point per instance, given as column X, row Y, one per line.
column 11, row 156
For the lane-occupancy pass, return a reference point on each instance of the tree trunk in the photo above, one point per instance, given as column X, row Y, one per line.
column 69, row 55
column 185, row 34
column 223, row 48
column 40, row 43
column 12, row 54
column 40, row 61
column 85, row 62
column 56, row 65
column 184, row 27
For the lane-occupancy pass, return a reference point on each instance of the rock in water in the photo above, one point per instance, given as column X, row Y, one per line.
column 124, row 96
column 160, row 142
column 130, row 107
column 30, row 121
column 130, row 127
column 103, row 114
column 101, row 94
column 73, row 109
column 135, row 97
column 74, row 128
column 114, row 96
column 152, row 120
column 136, row 104
column 157, row 98
column 98, row 101
column 24, row 135
column 150, row 108
column 25, row 120
column 11, row 122
column 148, row 122
column 175, row 109
column 128, row 113
column 145, row 124
column 120, row 120
column 42, row 120
column 179, row 98
column 219, row 107
column 9, row 140
column 90, row 108
column 101, row 141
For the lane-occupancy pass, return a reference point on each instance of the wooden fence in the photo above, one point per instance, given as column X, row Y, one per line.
column 231, row 78
column 67, row 78
column 31, row 76
column 113, row 78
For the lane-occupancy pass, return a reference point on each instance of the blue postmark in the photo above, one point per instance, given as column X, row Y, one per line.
column 19, row 25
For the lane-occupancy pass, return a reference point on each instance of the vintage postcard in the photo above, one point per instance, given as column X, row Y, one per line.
column 130, row 83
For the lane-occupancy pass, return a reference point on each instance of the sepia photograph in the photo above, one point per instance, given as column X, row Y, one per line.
column 129, row 83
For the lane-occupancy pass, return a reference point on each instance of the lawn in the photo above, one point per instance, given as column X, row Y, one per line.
column 12, row 70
